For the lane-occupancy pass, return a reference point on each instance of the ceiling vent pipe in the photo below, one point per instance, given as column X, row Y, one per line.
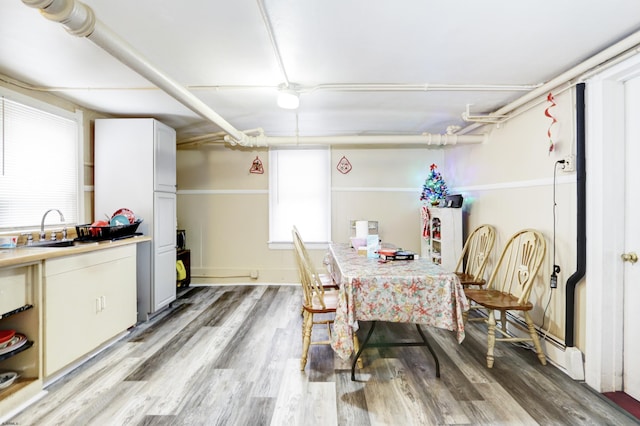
column 422, row 140
column 78, row 19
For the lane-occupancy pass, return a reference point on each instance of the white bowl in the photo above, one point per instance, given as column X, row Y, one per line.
column 7, row 379
column 8, row 241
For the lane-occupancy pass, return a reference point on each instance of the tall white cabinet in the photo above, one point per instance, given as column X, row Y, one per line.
column 444, row 243
column 135, row 168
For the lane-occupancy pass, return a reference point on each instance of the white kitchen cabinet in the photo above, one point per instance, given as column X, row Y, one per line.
column 164, row 290
column 444, row 243
column 89, row 299
column 164, row 158
column 135, row 168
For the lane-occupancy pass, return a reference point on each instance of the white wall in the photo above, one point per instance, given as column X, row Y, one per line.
column 224, row 208
column 508, row 182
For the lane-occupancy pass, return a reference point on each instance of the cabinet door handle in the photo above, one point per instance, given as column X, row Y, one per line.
column 630, row 257
column 101, row 304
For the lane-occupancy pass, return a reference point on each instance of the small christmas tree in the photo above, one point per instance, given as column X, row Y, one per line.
column 434, row 188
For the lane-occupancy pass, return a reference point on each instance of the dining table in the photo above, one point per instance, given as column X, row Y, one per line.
column 415, row 291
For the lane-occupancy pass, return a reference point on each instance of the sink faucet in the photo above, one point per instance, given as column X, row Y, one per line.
column 42, row 233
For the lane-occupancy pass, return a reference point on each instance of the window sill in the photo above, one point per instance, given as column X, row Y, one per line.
column 288, row 245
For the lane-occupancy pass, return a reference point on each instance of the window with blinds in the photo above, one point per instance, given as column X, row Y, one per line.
column 300, row 194
column 39, row 166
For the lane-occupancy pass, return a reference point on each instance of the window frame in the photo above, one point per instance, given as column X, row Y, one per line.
column 77, row 116
column 287, row 243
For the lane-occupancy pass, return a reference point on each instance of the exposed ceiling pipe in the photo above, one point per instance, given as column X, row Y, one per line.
column 79, row 20
column 485, row 119
column 329, row 87
column 426, row 87
column 203, row 138
column 422, row 140
column 272, row 39
column 213, row 138
column 629, row 43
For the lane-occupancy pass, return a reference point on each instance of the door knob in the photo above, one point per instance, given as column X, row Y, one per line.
column 630, row 257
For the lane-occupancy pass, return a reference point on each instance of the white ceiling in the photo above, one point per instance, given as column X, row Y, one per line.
column 222, row 52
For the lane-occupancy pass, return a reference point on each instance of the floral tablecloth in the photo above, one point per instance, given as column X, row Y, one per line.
column 416, row 291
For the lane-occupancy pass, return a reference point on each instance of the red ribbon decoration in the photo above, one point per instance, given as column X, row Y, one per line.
column 550, row 99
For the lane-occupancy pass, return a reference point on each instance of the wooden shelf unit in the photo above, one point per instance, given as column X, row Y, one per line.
column 444, row 244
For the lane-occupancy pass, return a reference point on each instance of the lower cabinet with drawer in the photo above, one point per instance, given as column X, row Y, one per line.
column 88, row 299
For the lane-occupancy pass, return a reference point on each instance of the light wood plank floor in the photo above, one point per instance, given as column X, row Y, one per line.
column 230, row 355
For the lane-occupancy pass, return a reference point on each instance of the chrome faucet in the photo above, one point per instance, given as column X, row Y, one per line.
column 42, row 233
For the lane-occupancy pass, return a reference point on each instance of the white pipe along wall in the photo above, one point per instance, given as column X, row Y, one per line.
column 79, row 19
column 607, row 57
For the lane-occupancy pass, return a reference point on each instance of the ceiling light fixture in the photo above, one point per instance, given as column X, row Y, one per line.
column 288, row 98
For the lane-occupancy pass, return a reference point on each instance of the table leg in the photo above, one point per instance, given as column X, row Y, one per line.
column 362, row 346
column 424, row 342
column 356, row 348
column 433, row 354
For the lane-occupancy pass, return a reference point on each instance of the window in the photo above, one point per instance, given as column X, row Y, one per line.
column 39, row 165
column 300, row 194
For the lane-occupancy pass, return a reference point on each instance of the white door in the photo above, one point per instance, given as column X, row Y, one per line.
column 164, row 156
column 631, row 318
column 164, row 249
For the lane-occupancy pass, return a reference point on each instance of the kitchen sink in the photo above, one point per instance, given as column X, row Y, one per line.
column 59, row 243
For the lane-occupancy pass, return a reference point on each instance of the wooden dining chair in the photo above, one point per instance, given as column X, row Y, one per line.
column 301, row 250
column 509, row 288
column 317, row 300
column 475, row 255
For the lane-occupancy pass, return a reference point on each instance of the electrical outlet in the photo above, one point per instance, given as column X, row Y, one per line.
column 569, row 164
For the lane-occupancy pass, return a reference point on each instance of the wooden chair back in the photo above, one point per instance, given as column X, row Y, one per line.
column 509, row 288
column 317, row 299
column 475, row 255
column 518, row 265
column 301, row 249
column 313, row 289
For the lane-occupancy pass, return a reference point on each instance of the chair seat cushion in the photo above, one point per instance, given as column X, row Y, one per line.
column 494, row 299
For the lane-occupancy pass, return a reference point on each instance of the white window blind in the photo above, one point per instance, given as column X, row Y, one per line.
column 39, row 166
column 300, row 194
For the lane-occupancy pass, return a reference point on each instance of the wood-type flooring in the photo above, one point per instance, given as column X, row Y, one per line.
column 230, row 355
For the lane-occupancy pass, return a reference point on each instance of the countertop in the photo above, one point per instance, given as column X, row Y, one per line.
column 21, row 255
